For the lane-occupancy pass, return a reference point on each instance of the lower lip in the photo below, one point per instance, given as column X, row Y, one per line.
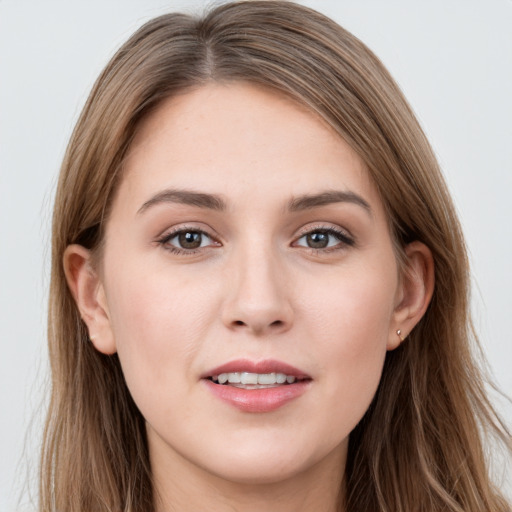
column 258, row 400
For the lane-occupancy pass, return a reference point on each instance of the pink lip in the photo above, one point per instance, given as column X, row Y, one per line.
column 257, row 400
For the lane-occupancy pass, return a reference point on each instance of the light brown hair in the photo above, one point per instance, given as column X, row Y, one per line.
column 419, row 445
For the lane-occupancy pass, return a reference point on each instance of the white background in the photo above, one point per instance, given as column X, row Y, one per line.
column 453, row 59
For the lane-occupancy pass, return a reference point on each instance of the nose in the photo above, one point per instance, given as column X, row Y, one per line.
column 257, row 298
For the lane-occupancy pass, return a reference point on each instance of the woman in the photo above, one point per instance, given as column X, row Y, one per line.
column 259, row 293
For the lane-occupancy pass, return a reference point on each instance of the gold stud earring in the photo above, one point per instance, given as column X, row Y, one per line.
column 399, row 334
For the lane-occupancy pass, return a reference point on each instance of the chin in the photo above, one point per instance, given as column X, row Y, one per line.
column 261, row 472
column 268, row 464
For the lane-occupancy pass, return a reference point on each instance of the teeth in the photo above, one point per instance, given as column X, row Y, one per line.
column 249, row 378
column 234, row 378
column 263, row 379
column 280, row 378
column 267, row 378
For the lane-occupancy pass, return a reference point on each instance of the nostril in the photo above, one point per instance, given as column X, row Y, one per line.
column 241, row 323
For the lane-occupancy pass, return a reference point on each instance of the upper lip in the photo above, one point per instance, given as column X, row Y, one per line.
column 265, row 366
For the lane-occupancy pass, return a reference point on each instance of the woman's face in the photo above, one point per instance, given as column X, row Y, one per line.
column 247, row 242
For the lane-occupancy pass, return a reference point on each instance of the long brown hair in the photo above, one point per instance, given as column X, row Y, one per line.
column 419, row 445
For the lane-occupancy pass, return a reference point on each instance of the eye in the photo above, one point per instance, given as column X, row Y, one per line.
column 324, row 238
column 187, row 240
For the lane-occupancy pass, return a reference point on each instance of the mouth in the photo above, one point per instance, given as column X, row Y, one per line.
column 257, row 387
column 250, row 380
column 244, row 372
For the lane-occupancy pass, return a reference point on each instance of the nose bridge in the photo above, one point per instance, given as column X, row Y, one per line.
column 257, row 299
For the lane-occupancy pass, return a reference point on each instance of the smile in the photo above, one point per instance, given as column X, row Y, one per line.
column 257, row 387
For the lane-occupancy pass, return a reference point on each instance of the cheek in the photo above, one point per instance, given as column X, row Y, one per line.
column 356, row 310
column 350, row 326
column 157, row 327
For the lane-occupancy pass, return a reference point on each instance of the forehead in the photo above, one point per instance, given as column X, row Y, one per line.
column 237, row 139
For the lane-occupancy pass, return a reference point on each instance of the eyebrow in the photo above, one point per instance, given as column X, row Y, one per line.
column 215, row 202
column 190, row 197
column 309, row 201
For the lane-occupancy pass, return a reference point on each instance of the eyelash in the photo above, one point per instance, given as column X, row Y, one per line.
column 344, row 240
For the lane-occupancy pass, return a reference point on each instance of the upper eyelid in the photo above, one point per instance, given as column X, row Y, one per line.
column 173, row 231
column 211, row 233
column 174, row 234
column 323, row 227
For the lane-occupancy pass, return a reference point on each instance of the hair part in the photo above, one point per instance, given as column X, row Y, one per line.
column 419, row 445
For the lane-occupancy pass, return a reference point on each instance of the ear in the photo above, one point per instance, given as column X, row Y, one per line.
column 414, row 293
column 89, row 294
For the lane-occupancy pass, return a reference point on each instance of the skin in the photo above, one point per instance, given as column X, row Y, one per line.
column 253, row 290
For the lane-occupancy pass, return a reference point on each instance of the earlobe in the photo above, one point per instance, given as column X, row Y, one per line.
column 89, row 294
column 416, row 289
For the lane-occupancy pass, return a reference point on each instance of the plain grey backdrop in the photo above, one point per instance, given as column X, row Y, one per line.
column 453, row 59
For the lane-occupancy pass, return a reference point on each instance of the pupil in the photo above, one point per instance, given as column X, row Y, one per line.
column 190, row 240
column 318, row 240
